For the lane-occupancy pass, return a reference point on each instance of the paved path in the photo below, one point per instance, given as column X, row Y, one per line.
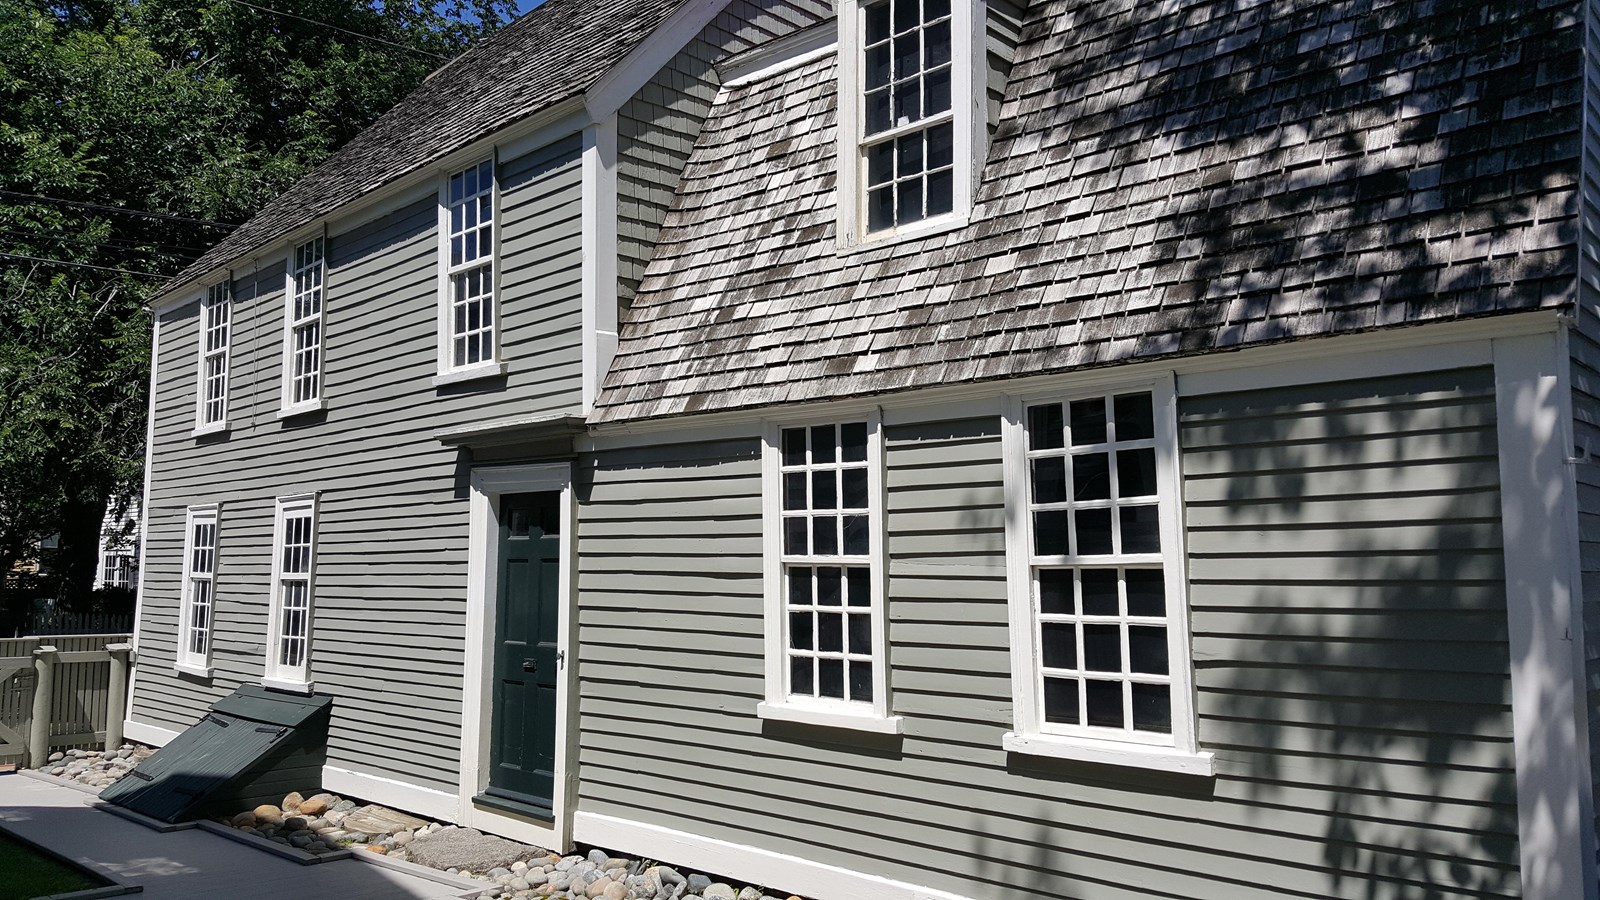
column 191, row 864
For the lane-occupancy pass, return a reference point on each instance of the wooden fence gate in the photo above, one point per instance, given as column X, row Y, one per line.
column 79, row 703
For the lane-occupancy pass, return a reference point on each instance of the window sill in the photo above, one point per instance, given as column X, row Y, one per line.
column 283, row 684
column 213, row 428
column 1162, row 759
column 191, row 669
column 829, row 718
column 289, row 412
column 924, row 229
column 492, row 370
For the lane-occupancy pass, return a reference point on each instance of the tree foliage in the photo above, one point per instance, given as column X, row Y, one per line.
column 198, row 109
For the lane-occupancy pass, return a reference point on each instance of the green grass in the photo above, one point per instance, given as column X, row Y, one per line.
column 26, row 873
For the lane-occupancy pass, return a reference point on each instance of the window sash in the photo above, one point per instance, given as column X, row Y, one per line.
column 303, row 316
column 469, row 221
column 199, row 587
column 294, row 562
column 214, row 342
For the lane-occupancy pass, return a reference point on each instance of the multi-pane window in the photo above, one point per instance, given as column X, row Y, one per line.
column 1101, row 609
column 199, row 586
column 302, row 366
column 116, row 570
column 908, row 129
column 295, row 544
column 215, row 311
column 826, row 562
column 469, row 268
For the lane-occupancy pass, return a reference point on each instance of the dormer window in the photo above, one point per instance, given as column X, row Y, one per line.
column 908, row 84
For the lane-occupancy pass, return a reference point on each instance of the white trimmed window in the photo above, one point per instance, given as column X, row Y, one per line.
column 211, row 413
column 910, row 90
column 293, row 568
column 302, row 335
column 1100, row 635
column 468, row 327
column 826, row 662
column 199, row 590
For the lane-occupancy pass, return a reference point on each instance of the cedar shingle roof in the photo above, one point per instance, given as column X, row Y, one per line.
column 1166, row 178
column 555, row 52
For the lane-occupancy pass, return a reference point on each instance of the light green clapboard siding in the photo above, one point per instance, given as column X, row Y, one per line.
column 1355, row 693
column 1584, row 344
column 392, row 554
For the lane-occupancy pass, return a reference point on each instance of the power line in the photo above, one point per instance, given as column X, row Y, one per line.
column 290, row 15
column 79, row 265
column 79, row 204
column 121, row 243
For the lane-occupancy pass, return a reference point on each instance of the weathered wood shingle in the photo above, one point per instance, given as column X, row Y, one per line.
column 1164, row 179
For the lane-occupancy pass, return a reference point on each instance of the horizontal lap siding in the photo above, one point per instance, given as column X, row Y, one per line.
column 1358, row 714
column 1585, row 364
column 389, row 614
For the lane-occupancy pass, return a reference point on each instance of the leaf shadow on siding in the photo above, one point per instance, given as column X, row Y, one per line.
column 1349, row 619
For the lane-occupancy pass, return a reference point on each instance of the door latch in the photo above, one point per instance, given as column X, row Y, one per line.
column 530, row 665
column 561, row 659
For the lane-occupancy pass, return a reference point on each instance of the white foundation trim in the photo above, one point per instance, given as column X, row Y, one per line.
column 744, row 863
column 1538, row 506
column 411, row 798
column 154, row 735
column 487, row 485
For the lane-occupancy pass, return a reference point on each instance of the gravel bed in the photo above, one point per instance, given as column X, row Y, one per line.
column 95, row 768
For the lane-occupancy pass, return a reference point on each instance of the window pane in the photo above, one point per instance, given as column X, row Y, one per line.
column 908, row 154
column 1099, row 592
column 829, row 585
column 905, row 15
column 1102, row 648
column 823, row 446
column 1094, row 531
column 1061, row 700
column 935, row 9
column 1050, row 480
column 825, row 535
column 830, row 632
column 1136, row 418
column 880, row 163
column 861, row 634
column 877, row 110
column 936, row 92
column 855, row 536
column 1104, row 699
column 800, row 676
column 853, row 441
column 1152, row 708
column 942, row 153
column 878, row 23
column 909, row 205
column 794, row 446
column 858, row 586
column 800, row 586
column 1059, row 644
column 825, row 489
column 855, row 488
column 880, row 208
column 830, row 678
column 1147, row 592
column 794, row 490
column 1050, row 533
column 1147, row 649
column 907, row 101
column 941, row 193
column 861, row 681
column 800, row 630
column 877, row 68
column 1141, row 530
column 937, row 44
column 1055, row 592
column 794, row 535
column 1136, row 473
column 1091, row 476
column 1045, row 429
column 1088, row 422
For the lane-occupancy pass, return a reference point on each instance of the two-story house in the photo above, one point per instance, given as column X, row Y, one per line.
column 925, row 450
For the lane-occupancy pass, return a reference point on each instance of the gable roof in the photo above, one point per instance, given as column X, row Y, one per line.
column 556, row 52
column 1164, row 179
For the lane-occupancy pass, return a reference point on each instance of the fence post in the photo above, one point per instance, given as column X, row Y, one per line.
column 44, row 667
column 117, row 694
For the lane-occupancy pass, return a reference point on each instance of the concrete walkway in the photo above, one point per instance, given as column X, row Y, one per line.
column 192, row 864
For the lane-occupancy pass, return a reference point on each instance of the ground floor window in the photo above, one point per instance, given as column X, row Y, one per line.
column 199, row 586
column 289, row 641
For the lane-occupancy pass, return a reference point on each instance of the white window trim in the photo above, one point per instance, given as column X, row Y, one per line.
column 969, row 113
column 186, row 661
column 201, row 426
column 287, row 406
column 1183, row 755
column 295, row 678
column 818, row 711
column 495, row 365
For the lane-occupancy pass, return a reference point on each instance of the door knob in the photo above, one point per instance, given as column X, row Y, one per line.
column 530, row 665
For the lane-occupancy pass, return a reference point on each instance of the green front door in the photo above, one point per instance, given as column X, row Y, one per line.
column 523, row 742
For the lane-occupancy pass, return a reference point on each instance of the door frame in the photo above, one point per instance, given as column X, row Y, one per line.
column 488, row 484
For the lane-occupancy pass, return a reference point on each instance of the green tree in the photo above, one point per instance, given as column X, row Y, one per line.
column 200, row 111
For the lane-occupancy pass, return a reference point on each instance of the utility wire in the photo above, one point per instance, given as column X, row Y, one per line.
column 120, row 243
column 368, row 37
column 79, row 204
column 79, row 265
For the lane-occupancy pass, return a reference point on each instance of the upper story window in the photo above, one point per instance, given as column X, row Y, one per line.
column 1097, row 578
column 199, row 589
column 212, row 403
column 302, row 338
column 908, row 84
column 468, row 315
column 826, row 661
column 293, row 563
